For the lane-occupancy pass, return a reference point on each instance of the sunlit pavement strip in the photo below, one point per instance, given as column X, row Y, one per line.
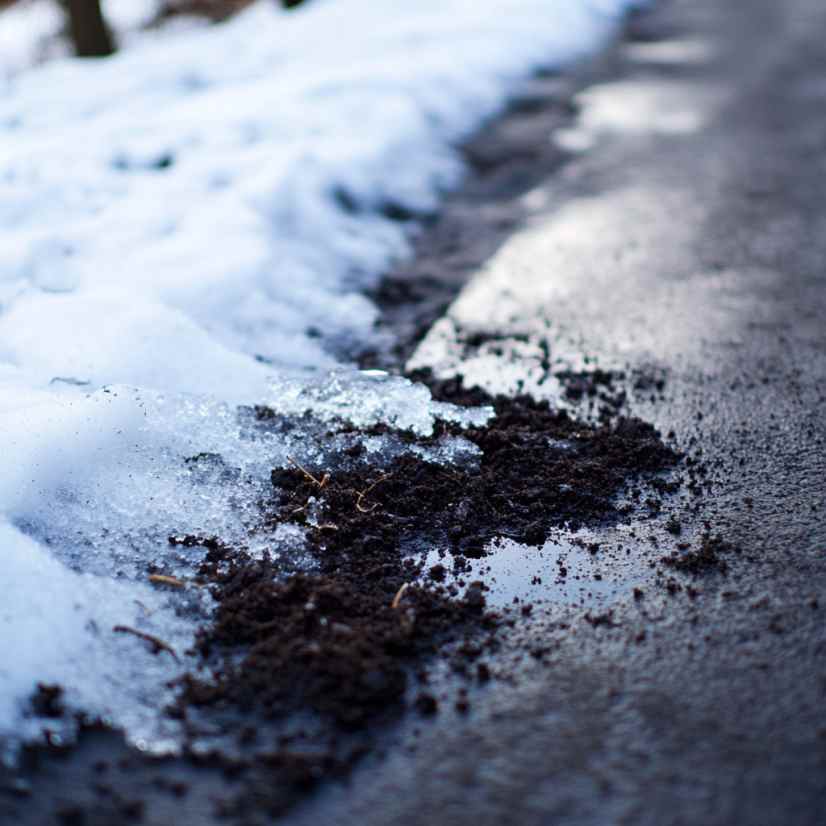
column 189, row 228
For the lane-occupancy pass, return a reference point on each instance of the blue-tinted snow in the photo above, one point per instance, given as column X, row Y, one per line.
column 176, row 220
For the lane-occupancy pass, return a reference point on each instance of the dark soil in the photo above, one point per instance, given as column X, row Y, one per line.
column 343, row 648
column 303, row 671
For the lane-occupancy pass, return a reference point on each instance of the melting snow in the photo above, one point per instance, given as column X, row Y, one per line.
column 189, row 226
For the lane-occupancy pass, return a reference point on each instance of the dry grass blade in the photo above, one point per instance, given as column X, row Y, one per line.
column 163, row 579
column 399, row 594
column 360, row 496
column 321, row 483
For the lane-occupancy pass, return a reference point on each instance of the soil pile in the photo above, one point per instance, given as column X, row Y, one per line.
column 303, row 671
column 346, row 647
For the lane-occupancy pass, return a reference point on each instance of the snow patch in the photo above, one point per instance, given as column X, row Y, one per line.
column 189, row 228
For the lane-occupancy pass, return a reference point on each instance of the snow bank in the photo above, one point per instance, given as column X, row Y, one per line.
column 188, row 227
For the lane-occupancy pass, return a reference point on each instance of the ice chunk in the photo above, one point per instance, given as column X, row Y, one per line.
column 369, row 397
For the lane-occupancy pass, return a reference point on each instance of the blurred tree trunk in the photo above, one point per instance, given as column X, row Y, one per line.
column 90, row 34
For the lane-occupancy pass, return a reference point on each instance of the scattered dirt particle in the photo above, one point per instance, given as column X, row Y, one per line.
column 604, row 620
column 71, row 816
column 427, row 705
column 47, row 701
column 674, row 526
column 438, row 573
column 708, row 557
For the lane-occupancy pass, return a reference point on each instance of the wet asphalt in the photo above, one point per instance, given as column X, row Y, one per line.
column 672, row 221
column 684, row 230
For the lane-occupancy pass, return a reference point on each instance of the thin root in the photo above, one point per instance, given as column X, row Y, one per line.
column 399, row 594
column 321, row 483
column 360, row 496
column 157, row 644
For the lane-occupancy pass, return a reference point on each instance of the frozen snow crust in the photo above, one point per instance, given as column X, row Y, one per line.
column 187, row 228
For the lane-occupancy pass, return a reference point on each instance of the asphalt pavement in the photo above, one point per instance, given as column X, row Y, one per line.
column 660, row 212
column 683, row 229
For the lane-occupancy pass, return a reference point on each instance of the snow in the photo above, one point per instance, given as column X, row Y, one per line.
column 27, row 32
column 190, row 226
column 66, row 638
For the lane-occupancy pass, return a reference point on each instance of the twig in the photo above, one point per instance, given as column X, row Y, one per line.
column 157, row 644
column 399, row 594
column 163, row 579
column 367, row 490
column 322, row 483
